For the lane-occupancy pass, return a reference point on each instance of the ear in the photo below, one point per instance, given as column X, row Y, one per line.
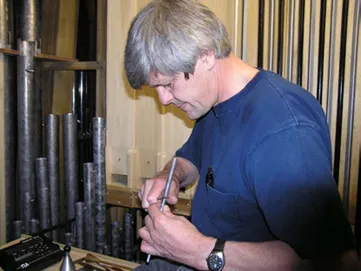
column 209, row 60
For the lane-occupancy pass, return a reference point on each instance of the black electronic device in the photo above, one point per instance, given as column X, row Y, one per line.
column 34, row 253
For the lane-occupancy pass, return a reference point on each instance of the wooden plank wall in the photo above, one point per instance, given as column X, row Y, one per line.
column 142, row 135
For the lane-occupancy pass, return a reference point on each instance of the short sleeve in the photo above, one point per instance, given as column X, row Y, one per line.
column 291, row 176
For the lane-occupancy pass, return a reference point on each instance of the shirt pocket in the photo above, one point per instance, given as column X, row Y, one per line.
column 223, row 210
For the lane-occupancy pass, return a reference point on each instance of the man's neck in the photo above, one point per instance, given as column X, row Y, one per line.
column 232, row 76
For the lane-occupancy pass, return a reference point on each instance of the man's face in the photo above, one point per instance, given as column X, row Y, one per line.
column 195, row 96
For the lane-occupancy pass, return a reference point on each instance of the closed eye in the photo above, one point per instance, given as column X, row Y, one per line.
column 164, row 86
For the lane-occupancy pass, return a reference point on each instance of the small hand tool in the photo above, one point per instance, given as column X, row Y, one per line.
column 166, row 190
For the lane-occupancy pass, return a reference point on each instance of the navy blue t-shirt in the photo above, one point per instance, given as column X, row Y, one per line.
column 269, row 148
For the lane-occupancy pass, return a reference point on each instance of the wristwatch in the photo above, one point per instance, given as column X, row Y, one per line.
column 216, row 259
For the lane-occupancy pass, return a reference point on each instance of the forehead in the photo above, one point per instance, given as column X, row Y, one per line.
column 157, row 78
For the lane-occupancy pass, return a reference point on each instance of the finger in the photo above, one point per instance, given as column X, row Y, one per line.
column 155, row 192
column 145, row 195
column 172, row 198
column 148, row 248
column 173, row 193
column 144, row 234
column 167, row 211
column 148, row 222
column 141, row 192
column 154, row 212
column 146, row 244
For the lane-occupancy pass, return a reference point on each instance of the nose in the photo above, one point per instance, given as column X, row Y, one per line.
column 165, row 96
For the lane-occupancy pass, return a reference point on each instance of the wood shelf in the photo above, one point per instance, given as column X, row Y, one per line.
column 10, row 52
column 128, row 197
column 54, row 58
column 75, row 66
column 42, row 57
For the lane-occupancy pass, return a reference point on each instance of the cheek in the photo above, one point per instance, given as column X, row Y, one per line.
column 190, row 91
column 185, row 95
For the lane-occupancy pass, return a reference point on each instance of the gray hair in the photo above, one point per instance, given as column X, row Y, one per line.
column 168, row 36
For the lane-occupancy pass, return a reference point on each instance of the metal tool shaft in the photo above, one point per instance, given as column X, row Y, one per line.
column 166, row 191
column 167, row 185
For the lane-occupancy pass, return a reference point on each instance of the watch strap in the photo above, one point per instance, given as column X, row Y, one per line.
column 219, row 245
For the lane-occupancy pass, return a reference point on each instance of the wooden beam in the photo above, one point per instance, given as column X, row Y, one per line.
column 128, row 197
column 54, row 58
column 74, row 66
column 12, row 52
column 122, row 196
column 7, row 51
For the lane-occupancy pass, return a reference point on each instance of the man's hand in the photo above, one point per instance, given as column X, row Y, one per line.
column 175, row 238
column 152, row 190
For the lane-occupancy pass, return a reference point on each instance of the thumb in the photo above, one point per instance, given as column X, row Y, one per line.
column 167, row 211
column 172, row 199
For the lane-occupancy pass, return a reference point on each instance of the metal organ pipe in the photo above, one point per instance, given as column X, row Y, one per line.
column 321, row 51
column 43, row 199
column 341, row 78
column 89, row 199
column 291, row 22
column 280, row 37
column 34, row 225
column 18, row 229
column 26, row 151
column 116, row 231
column 79, row 224
column 128, row 236
column 260, row 33
column 351, row 108
column 52, row 154
column 330, row 77
column 100, row 186
column 301, row 29
column 311, row 46
column 271, row 34
column 28, row 117
column 9, row 124
column 70, row 147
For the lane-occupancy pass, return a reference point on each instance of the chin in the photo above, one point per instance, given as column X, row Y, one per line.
column 194, row 115
column 190, row 115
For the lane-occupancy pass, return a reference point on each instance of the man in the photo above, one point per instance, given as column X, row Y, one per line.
column 266, row 198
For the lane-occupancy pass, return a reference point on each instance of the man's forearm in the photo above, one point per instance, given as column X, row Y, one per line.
column 185, row 172
column 273, row 255
column 277, row 255
column 247, row 256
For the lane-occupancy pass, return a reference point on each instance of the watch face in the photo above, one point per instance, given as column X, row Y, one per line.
column 215, row 262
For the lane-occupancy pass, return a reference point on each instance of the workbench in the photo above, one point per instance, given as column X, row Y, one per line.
column 77, row 253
